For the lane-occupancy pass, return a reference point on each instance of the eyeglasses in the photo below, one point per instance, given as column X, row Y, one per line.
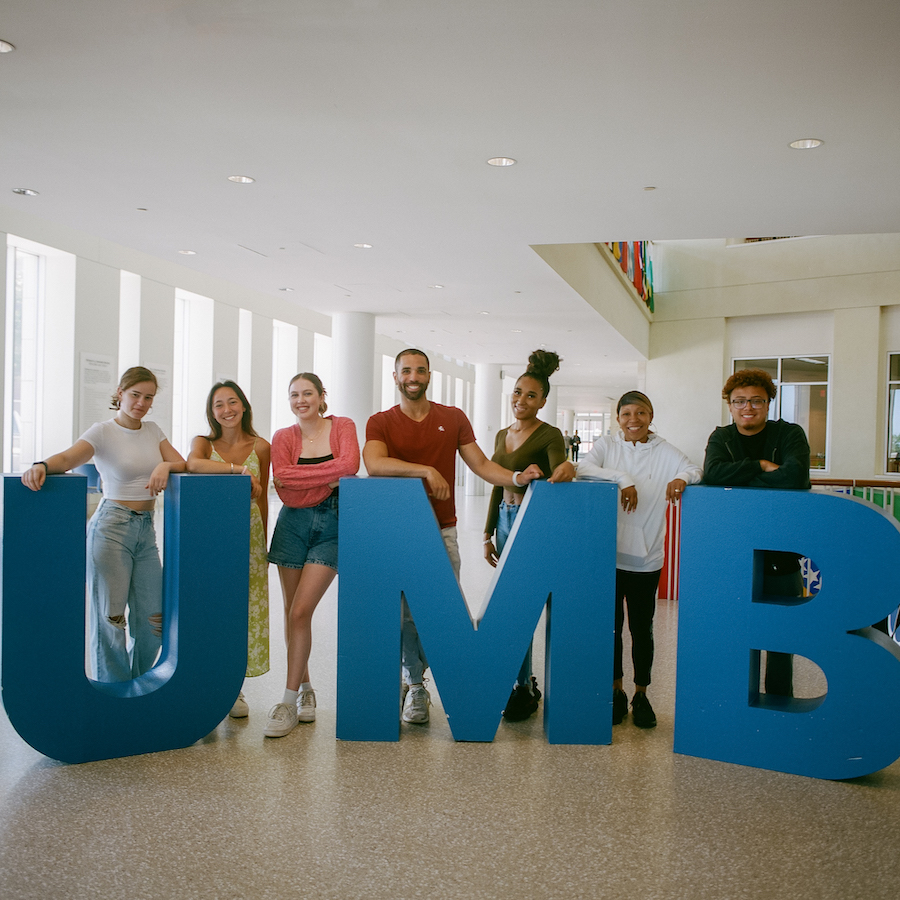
column 755, row 403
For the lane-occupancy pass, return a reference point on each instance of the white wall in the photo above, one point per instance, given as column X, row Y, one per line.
column 837, row 296
column 685, row 374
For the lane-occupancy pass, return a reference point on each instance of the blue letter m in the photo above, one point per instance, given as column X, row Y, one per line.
column 561, row 553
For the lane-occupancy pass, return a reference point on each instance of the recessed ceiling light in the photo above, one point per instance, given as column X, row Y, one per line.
column 6, row 47
column 188, row 252
column 650, row 187
column 806, row 144
column 241, row 179
column 25, row 192
column 363, row 246
column 501, row 161
column 435, row 285
column 517, row 331
column 484, row 312
column 289, row 290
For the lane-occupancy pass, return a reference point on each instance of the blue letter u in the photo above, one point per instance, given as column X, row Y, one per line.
column 204, row 650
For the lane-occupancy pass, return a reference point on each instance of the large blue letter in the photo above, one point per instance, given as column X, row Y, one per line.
column 390, row 543
column 724, row 621
column 204, row 652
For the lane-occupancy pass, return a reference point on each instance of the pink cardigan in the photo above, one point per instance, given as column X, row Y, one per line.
column 304, row 486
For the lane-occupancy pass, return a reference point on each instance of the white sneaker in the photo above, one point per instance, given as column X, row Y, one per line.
column 241, row 708
column 306, row 706
column 282, row 720
column 415, row 707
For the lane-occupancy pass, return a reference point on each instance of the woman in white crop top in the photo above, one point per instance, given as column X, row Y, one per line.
column 134, row 460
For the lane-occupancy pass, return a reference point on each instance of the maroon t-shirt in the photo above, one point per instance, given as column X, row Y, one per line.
column 431, row 442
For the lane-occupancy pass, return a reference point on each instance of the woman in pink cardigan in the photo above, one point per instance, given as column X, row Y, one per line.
column 307, row 460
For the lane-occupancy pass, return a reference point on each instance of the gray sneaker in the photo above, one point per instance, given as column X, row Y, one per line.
column 415, row 707
column 240, row 709
column 282, row 720
column 306, row 706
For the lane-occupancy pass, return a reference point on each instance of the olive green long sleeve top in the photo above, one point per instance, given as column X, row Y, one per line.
column 544, row 446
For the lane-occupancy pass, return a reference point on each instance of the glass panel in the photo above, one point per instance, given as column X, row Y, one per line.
column 22, row 424
column 893, row 455
column 807, row 406
column 804, row 369
column 894, row 367
column 767, row 365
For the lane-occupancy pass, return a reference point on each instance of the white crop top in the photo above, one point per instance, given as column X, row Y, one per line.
column 125, row 457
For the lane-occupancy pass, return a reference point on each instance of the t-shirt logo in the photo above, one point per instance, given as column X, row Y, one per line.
column 440, row 427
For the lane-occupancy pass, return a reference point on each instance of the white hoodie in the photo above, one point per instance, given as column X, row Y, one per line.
column 649, row 467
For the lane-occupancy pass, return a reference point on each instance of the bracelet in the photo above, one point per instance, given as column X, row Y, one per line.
column 515, row 479
column 232, row 468
column 40, row 462
column 488, row 541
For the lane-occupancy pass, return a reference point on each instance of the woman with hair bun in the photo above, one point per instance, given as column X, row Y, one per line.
column 527, row 441
column 308, row 460
column 647, row 468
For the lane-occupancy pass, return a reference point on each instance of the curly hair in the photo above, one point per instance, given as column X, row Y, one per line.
column 749, row 378
column 541, row 365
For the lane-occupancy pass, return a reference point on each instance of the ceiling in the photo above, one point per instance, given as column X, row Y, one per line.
column 370, row 121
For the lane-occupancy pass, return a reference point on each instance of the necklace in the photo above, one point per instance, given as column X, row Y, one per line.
column 310, row 440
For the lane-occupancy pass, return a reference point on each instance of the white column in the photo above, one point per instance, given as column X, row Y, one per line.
column 548, row 413
column 353, row 361
column 486, row 421
column 568, row 420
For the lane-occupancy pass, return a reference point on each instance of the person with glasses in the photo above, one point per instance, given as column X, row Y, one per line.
column 755, row 451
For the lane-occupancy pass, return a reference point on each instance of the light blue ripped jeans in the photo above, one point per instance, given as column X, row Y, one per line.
column 124, row 576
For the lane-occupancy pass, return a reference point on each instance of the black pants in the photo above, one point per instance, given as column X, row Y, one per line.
column 638, row 591
column 779, row 677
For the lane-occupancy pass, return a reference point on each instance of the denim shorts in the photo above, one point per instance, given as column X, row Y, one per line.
column 306, row 535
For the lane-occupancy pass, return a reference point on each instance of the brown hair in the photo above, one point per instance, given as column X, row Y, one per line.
column 316, row 382
column 131, row 377
column 749, row 378
column 215, row 429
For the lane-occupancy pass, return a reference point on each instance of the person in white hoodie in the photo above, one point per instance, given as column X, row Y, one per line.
column 650, row 473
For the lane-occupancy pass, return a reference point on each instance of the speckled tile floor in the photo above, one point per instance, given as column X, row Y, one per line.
column 237, row 816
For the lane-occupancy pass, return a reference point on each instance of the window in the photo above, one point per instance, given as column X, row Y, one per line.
column 23, row 311
column 590, row 427
column 39, row 352
column 193, row 367
column 284, row 367
column 129, row 320
column 892, row 463
column 802, row 384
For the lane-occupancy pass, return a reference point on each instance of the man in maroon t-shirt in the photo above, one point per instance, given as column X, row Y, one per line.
column 420, row 439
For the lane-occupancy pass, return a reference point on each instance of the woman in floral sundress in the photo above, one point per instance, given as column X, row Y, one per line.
column 232, row 447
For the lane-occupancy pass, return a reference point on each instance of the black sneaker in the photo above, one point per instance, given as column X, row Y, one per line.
column 620, row 706
column 522, row 703
column 642, row 711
